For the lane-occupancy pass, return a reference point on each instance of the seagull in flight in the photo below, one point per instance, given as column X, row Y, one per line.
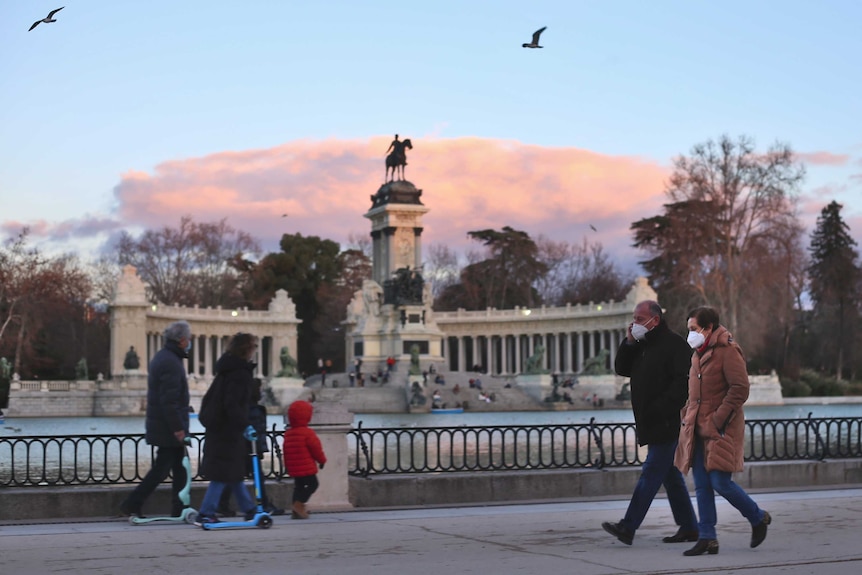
column 592, row 227
column 48, row 19
column 535, row 42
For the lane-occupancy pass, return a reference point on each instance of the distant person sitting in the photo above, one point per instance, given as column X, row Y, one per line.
column 439, row 380
column 456, row 389
column 436, row 401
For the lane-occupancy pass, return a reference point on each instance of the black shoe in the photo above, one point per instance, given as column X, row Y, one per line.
column 619, row 531
column 249, row 515
column 681, row 536
column 709, row 546
column 273, row 510
column 758, row 532
column 128, row 510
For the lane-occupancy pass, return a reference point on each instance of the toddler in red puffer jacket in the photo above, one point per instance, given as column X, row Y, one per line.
column 302, row 455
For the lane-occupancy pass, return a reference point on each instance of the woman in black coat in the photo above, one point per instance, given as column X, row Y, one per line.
column 224, row 414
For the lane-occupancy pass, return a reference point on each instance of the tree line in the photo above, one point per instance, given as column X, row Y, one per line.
column 729, row 236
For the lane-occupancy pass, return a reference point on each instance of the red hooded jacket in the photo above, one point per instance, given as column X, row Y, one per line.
column 302, row 447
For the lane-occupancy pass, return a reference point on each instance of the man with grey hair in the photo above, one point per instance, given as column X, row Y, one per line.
column 657, row 361
column 167, row 422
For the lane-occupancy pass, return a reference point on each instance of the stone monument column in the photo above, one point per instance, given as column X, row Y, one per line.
column 128, row 321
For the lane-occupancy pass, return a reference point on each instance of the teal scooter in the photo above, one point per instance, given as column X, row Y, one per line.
column 188, row 514
column 261, row 518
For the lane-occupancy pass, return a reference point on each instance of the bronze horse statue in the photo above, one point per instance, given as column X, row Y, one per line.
column 398, row 158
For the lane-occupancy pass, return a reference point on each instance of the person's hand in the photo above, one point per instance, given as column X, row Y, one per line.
column 180, row 435
column 629, row 337
column 321, row 466
column 250, row 433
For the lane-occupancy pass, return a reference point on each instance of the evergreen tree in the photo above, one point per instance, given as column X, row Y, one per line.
column 834, row 286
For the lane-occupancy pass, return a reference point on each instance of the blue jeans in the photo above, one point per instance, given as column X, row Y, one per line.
column 658, row 470
column 213, row 494
column 706, row 483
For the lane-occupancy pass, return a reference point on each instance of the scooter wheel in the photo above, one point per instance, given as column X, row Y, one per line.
column 191, row 517
column 132, row 520
column 265, row 522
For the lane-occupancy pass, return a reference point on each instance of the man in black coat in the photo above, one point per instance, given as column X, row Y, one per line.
column 657, row 361
column 167, row 422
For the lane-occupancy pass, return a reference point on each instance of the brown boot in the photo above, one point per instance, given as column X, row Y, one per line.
column 298, row 510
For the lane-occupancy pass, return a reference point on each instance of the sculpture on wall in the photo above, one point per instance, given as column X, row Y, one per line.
column 406, row 288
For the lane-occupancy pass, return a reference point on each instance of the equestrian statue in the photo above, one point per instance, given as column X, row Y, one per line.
column 398, row 158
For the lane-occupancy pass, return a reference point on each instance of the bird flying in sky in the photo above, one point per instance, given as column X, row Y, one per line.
column 535, row 42
column 48, row 19
column 592, row 227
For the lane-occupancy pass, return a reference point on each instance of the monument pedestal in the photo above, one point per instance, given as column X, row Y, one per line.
column 537, row 385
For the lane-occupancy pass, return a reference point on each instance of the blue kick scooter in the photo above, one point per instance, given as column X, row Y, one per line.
column 261, row 518
column 188, row 514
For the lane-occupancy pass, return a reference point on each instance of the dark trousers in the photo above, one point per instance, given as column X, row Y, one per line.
column 169, row 460
column 303, row 487
column 658, row 470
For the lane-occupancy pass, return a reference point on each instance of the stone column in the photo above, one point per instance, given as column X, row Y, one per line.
column 208, row 356
column 489, row 352
column 518, row 346
column 580, row 336
column 568, row 360
column 417, row 247
column 461, row 358
column 592, row 343
column 389, row 252
column 332, row 422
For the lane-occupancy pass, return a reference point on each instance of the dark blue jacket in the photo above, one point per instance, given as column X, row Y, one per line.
column 658, row 367
column 167, row 396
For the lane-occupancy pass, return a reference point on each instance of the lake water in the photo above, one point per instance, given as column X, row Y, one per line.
column 29, row 426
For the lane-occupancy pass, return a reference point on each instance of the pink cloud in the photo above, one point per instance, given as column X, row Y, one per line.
column 823, row 158
column 467, row 183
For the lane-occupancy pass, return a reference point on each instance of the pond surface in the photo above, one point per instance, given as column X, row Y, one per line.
column 28, row 426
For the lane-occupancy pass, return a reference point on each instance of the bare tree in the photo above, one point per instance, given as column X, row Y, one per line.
column 729, row 204
column 440, row 267
column 190, row 264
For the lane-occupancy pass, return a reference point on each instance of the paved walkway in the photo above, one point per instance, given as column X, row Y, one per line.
column 816, row 532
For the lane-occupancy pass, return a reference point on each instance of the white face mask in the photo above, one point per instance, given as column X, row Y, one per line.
column 695, row 339
column 639, row 331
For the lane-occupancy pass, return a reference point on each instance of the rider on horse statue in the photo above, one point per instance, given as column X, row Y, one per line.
column 398, row 157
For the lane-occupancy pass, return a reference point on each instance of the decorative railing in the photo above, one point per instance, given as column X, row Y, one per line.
column 118, row 459
column 590, row 445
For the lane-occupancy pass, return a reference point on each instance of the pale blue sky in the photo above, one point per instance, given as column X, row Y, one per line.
column 114, row 87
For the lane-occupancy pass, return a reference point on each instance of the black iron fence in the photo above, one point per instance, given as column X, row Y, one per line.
column 597, row 445
column 119, row 459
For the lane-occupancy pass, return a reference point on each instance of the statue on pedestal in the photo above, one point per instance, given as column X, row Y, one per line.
column 534, row 362
column 132, row 361
column 81, row 370
column 288, row 364
column 398, row 157
column 597, row 365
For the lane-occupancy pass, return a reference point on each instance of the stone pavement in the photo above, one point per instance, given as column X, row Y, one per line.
column 816, row 532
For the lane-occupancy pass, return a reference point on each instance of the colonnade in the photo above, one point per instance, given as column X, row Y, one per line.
column 207, row 348
column 507, row 353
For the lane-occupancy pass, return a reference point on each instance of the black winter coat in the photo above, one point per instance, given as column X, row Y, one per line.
column 225, row 448
column 167, row 396
column 658, row 367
